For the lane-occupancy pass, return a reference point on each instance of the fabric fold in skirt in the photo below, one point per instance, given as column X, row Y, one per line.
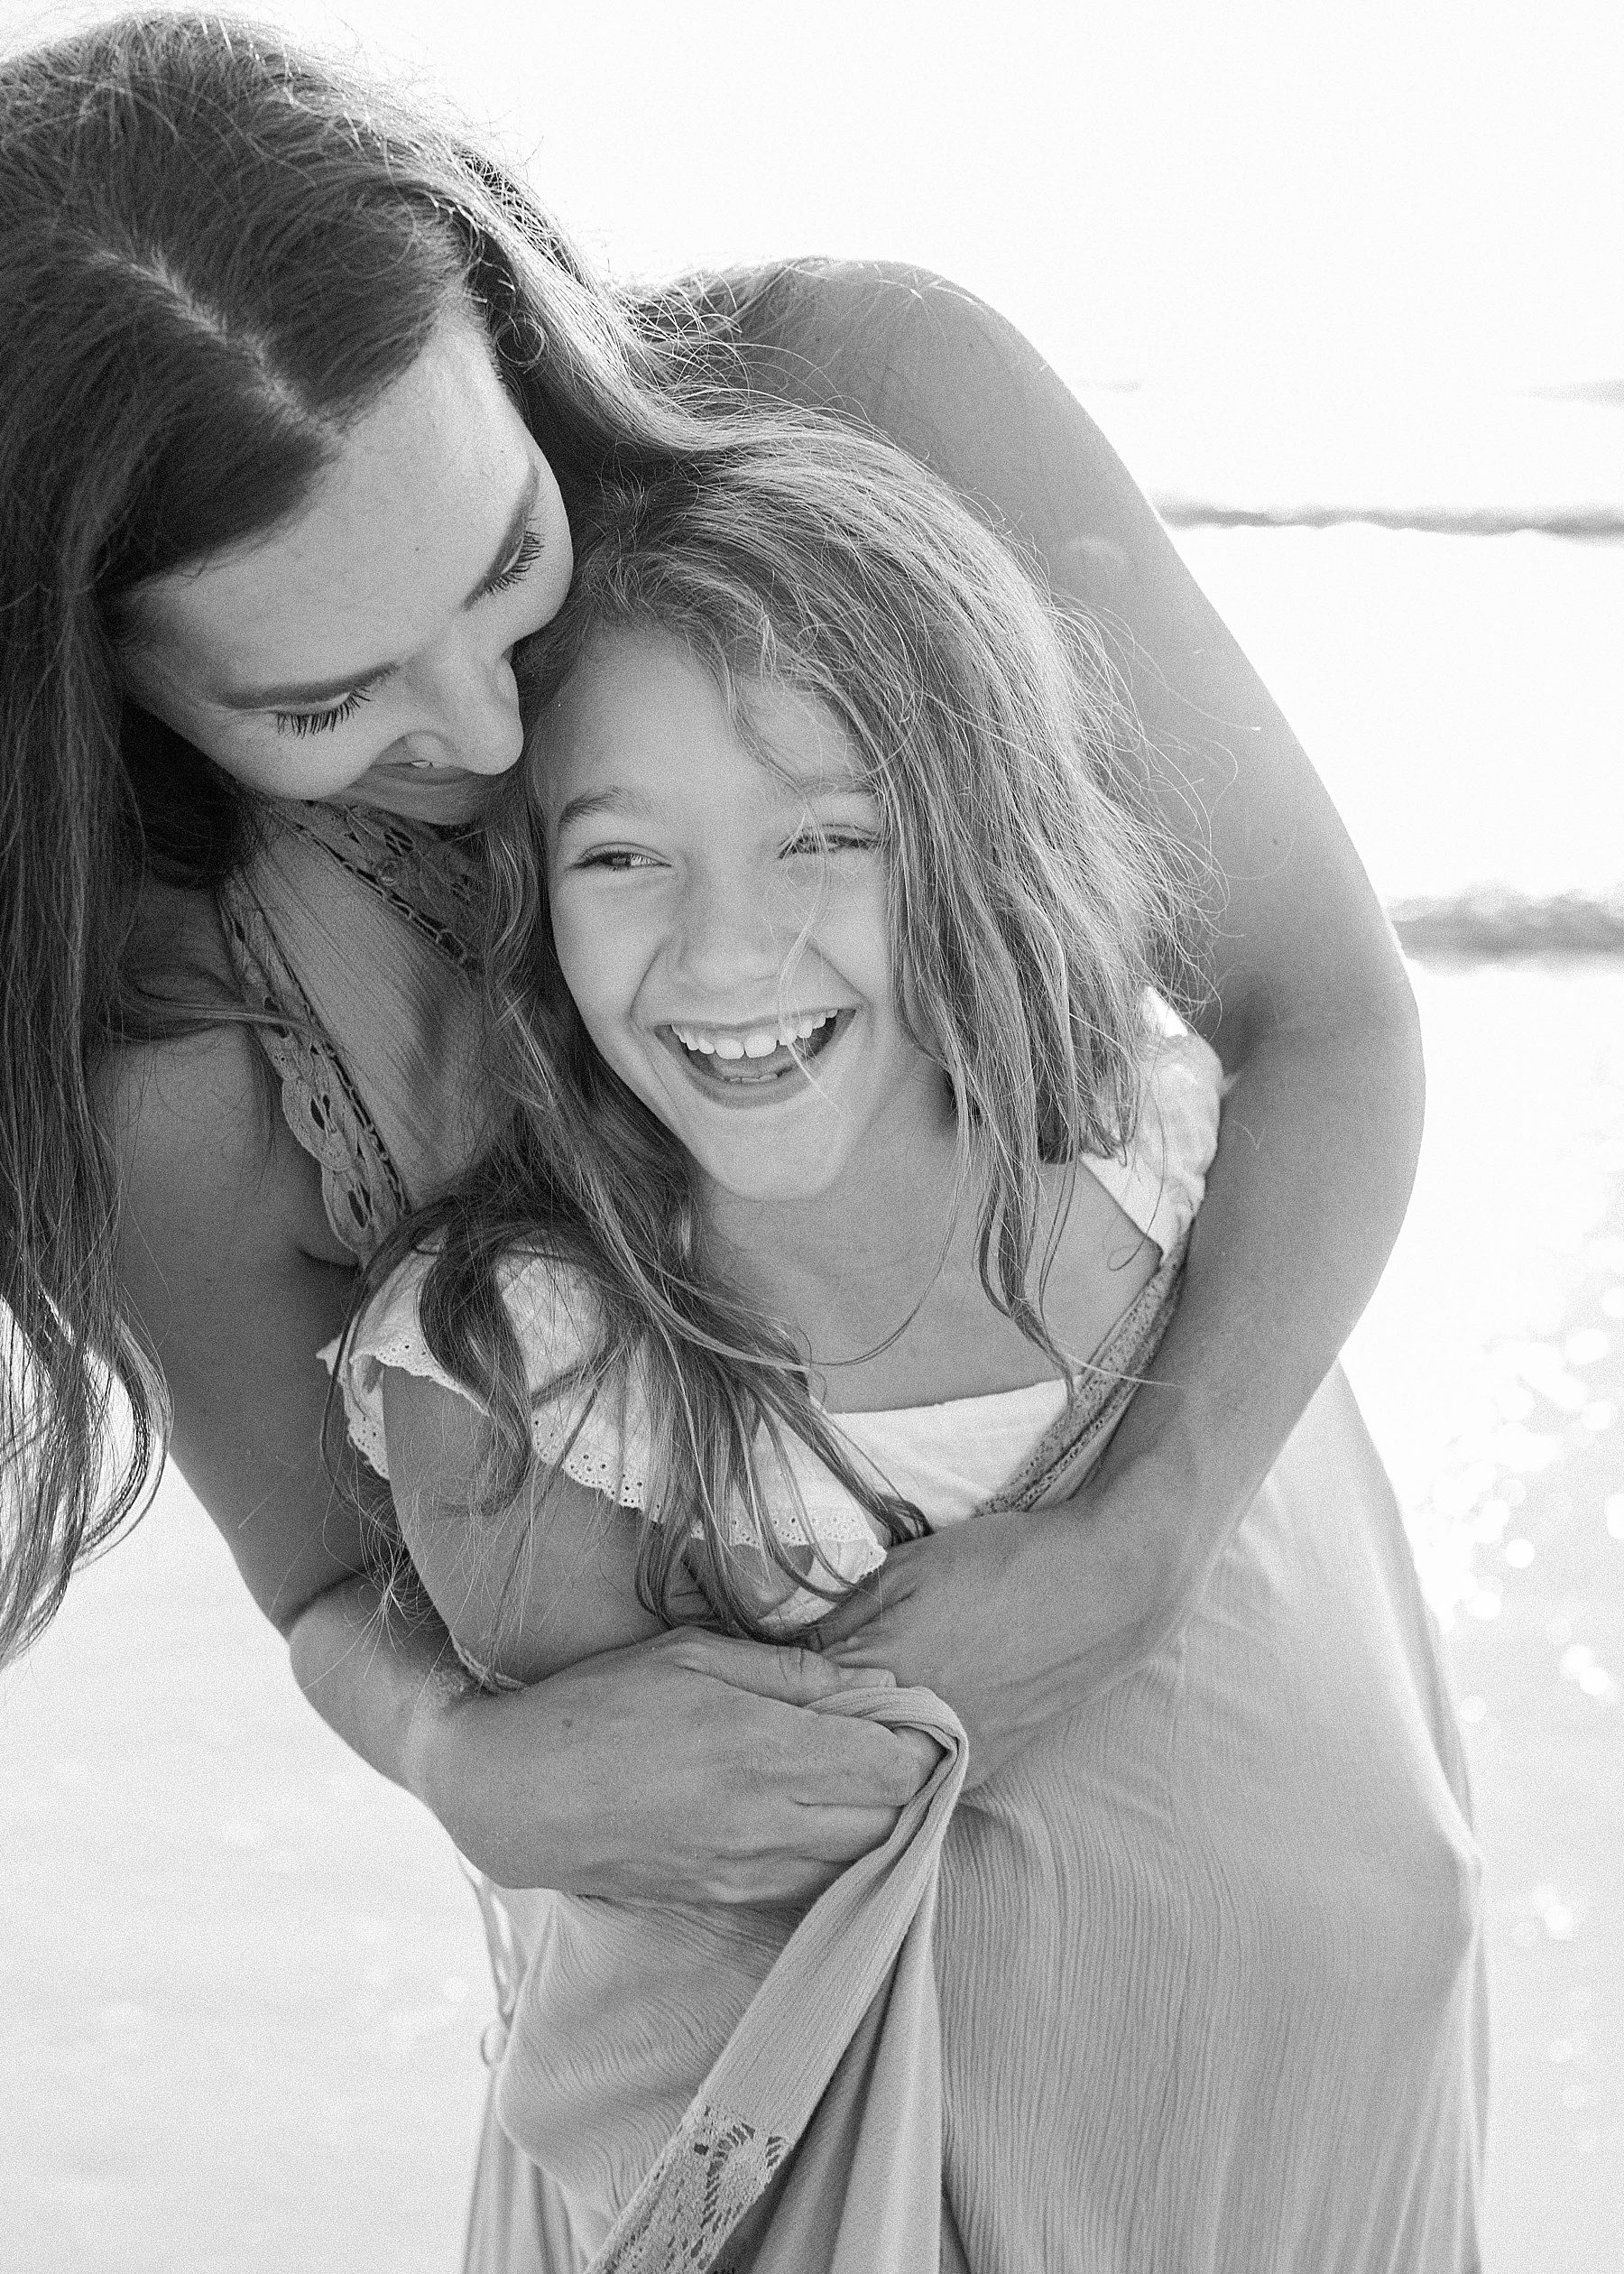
column 1196, row 1981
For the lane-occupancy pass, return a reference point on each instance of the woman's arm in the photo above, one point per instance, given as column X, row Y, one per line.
column 687, row 1763
column 1311, row 1012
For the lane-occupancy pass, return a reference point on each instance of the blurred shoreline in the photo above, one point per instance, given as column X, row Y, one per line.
column 1493, row 921
column 1315, row 452
column 1577, row 521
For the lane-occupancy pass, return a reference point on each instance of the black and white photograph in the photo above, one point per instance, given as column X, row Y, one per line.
column 811, row 1138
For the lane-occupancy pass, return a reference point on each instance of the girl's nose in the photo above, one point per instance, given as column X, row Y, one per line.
column 728, row 932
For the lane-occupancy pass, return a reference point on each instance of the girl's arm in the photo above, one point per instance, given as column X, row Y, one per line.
column 684, row 1764
column 1311, row 1014
column 524, row 1591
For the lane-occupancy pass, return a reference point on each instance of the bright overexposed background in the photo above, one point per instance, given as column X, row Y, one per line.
column 1351, row 268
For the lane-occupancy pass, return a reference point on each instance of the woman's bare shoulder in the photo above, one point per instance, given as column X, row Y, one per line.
column 842, row 333
column 954, row 382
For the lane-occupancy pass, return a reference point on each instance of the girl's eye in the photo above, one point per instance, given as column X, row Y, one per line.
column 617, row 858
column 320, row 722
column 530, row 551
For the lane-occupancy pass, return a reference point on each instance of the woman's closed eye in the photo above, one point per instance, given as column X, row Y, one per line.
column 532, row 546
column 320, row 722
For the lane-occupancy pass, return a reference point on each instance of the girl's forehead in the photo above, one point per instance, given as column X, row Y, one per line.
column 642, row 704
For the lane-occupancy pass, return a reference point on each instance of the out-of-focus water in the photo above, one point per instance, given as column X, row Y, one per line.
column 1491, row 1367
column 1460, row 696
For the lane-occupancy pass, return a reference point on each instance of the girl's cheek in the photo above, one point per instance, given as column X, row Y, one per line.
column 592, row 956
column 854, row 936
column 566, row 941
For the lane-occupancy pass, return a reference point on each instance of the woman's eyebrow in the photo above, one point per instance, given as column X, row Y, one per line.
column 354, row 682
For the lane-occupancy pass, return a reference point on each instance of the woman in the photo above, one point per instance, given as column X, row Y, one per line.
column 256, row 258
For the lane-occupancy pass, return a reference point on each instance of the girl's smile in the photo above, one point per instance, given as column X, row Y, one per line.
column 764, row 1062
column 719, row 900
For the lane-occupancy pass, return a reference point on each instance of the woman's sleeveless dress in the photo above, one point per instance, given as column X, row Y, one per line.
column 1219, row 1929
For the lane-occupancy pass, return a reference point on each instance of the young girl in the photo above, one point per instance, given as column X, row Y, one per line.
column 841, row 1196
column 838, row 974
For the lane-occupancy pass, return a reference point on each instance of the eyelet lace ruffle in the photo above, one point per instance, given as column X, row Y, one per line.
column 607, row 1447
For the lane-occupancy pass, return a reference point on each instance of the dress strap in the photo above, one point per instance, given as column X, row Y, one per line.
column 1063, row 1457
column 349, row 929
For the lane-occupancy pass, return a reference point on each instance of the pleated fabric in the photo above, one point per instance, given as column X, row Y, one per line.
column 1221, row 2010
column 1208, row 1956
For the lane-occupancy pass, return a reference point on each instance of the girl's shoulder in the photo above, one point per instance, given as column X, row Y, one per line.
column 1160, row 1180
column 599, row 1439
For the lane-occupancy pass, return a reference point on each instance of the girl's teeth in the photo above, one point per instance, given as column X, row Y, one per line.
column 759, row 1043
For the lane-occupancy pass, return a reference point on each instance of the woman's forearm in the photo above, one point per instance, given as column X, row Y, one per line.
column 1320, row 1138
column 687, row 1767
column 382, row 1683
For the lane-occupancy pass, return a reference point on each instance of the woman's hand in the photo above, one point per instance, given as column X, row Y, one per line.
column 690, row 1767
column 1015, row 1618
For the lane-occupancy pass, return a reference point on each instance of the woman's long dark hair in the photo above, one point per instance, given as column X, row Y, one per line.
column 214, row 254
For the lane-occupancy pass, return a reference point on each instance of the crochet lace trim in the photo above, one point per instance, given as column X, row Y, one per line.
column 431, row 883
column 713, row 2169
column 361, row 1191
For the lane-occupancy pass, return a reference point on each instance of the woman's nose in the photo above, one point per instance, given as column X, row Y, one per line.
column 473, row 717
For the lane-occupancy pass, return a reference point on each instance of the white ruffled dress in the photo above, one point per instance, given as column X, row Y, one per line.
column 949, row 1459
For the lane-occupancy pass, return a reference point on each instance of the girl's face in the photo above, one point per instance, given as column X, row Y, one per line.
column 722, row 923
column 361, row 653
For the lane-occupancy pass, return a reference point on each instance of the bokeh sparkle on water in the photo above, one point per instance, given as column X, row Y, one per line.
column 1490, row 1366
column 1488, row 1362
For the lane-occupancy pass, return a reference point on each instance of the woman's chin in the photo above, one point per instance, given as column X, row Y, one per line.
column 446, row 795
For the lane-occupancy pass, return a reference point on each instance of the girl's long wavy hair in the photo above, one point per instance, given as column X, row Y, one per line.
column 1034, row 894
column 214, row 254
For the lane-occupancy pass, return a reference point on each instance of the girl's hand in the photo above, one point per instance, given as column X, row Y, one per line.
column 689, row 1769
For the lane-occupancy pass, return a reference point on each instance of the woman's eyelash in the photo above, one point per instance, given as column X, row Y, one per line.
column 319, row 722
column 530, row 548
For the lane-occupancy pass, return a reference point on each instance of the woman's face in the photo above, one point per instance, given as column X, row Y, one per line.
column 722, row 923
column 360, row 651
